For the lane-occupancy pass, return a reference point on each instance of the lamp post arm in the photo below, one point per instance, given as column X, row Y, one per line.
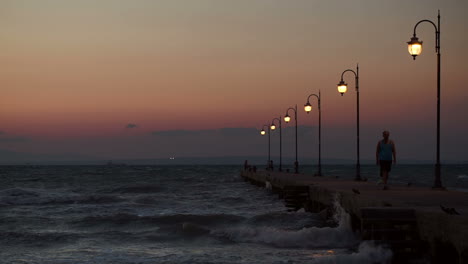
column 318, row 99
column 279, row 121
column 290, row 108
column 356, row 76
column 437, row 30
column 348, row 70
column 424, row 20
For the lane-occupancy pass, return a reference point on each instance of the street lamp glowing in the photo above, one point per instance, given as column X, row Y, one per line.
column 342, row 87
column 272, row 127
column 262, row 132
column 308, row 107
column 414, row 47
column 287, row 118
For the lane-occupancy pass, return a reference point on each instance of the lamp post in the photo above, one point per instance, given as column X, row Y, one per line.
column 308, row 108
column 263, row 132
column 342, row 88
column 415, row 49
column 273, row 127
column 287, row 118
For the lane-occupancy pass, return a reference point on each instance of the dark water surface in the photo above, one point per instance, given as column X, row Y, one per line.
column 166, row 214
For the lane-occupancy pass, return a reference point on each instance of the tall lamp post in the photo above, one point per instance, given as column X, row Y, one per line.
column 263, row 132
column 342, row 88
column 308, row 108
column 287, row 118
column 273, row 127
column 415, row 49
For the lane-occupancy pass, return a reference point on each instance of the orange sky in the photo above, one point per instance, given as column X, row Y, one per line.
column 71, row 69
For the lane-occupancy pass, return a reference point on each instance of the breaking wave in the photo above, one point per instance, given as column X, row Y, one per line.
column 368, row 253
column 340, row 236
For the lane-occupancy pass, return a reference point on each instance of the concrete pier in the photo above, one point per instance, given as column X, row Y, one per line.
column 445, row 235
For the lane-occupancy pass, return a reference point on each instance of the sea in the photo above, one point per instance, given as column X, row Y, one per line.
column 177, row 214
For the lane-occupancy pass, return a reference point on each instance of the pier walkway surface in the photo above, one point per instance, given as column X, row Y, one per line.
column 444, row 233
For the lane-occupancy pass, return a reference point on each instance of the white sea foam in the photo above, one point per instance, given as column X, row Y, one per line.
column 268, row 185
column 313, row 237
column 368, row 252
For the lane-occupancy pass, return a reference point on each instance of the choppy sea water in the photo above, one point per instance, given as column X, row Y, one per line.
column 166, row 214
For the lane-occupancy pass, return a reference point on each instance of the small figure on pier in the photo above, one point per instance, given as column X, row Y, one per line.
column 270, row 165
column 383, row 155
column 246, row 165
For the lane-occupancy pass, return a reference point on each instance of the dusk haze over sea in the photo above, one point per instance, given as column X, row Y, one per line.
column 109, row 80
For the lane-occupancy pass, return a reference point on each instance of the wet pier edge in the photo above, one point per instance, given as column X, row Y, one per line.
column 409, row 219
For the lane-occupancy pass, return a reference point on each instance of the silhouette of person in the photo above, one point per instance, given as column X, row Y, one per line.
column 383, row 155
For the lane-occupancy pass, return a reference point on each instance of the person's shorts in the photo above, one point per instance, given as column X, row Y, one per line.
column 385, row 165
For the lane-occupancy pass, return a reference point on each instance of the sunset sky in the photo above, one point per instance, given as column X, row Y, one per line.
column 117, row 79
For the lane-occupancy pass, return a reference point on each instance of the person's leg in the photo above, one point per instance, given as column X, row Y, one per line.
column 386, row 171
column 385, row 176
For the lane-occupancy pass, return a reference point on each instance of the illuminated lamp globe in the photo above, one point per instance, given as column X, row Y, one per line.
column 414, row 47
column 272, row 127
column 262, row 132
column 342, row 87
column 287, row 118
column 308, row 107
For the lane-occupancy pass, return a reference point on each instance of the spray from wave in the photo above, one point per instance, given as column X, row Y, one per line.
column 368, row 253
column 340, row 236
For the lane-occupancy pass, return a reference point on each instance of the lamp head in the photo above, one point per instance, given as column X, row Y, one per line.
column 414, row 47
column 342, row 87
column 308, row 107
column 287, row 118
column 263, row 132
column 272, row 127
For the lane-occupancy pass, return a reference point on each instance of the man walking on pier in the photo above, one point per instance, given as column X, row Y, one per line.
column 385, row 151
